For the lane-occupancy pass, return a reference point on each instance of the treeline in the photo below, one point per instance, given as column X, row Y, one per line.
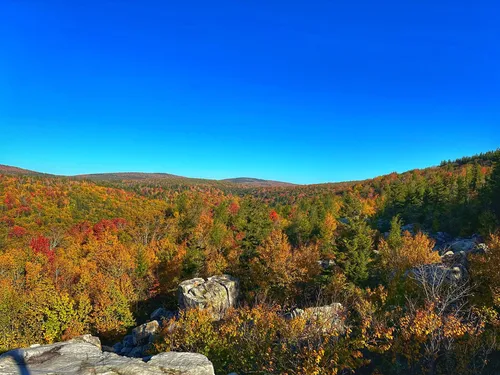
column 484, row 159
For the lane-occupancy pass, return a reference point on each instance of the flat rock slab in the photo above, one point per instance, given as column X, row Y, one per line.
column 84, row 357
column 183, row 363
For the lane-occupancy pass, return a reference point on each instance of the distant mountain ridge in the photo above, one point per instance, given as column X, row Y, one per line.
column 139, row 176
column 7, row 169
column 155, row 176
column 125, row 176
column 245, row 183
column 256, row 182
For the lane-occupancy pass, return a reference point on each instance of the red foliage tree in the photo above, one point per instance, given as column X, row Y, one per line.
column 41, row 245
column 108, row 226
column 81, row 231
column 234, row 208
column 274, row 216
column 17, row 231
column 9, row 201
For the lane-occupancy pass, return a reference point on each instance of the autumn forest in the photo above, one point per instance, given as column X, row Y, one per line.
column 410, row 262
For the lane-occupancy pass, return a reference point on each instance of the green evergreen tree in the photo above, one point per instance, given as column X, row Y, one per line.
column 141, row 268
column 356, row 242
column 395, row 239
column 476, row 179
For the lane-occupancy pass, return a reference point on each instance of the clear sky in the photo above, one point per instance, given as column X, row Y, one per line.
column 300, row 91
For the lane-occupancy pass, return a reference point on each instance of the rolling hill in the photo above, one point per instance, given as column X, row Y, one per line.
column 7, row 169
column 256, row 182
column 137, row 177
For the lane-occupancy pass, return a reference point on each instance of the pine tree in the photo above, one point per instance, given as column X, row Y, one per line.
column 395, row 239
column 356, row 243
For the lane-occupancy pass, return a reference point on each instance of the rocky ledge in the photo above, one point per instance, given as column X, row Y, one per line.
column 83, row 356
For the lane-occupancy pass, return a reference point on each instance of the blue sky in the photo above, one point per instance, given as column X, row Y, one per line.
column 301, row 91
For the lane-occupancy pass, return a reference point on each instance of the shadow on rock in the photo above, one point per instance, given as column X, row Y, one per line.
column 18, row 357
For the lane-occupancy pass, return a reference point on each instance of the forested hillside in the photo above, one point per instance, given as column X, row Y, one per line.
column 80, row 256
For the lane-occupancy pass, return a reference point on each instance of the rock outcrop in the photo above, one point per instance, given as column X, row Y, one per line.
column 446, row 243
column 454, row 264
column 144, row 333
column 183, row 363
column 217, row 294
column 139, row 342
column 438, row 273
column 83, row 356
column 327, row 317
column 326, row 264
column 463, row 244
column 441, row 239
column 161, row 314
column 455, row 261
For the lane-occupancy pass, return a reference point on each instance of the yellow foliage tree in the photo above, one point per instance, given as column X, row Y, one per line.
column 412, row 251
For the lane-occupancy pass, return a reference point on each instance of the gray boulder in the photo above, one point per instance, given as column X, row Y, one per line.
column 457, row 273
column 139, row 351
column 464, row 244
column 83, row 356
column 329, row 317
column 138, row 343
column 87, row 339
column 161, row 314
column 449, row 253
column 481, row 248
column 183, row 363
column 126, row 351
column 106, row 348
column 441, row 239
column 451, row 259
column 188, row 288
column 438, row 273
column 128, row 341
column 118, row 347
column 326, row 264
column 294, row 314
column 142, row 334
column 217, row 294
column 326, row 317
